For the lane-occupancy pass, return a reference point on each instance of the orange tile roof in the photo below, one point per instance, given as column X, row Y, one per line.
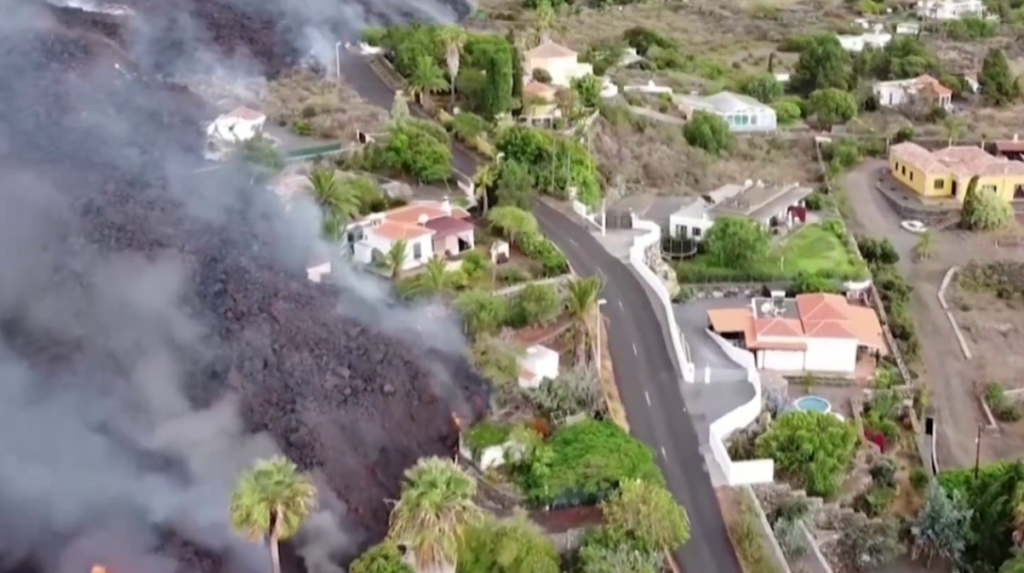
column 927, row 82
column 398, row 232
column 406, row 223
column 963, row 161
column 821, row 316
column 539, row 89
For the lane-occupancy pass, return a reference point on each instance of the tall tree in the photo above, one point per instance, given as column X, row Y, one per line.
column 823, row 64
column 984, row 210
column 484, row 180
column 394, row 260
column 516, row 186
column 434, row 511
column 513, row 545
column 832, row 106
column 544, row 20
column 813, row 449
column 270, row 502
column 736, row 243
column 998, row 85
column 426, row 78
column 941, row 528
column 646, row 514
column 512, row 222
column 337, row 204
column 453, row 38
column 581, row 305
column 432, row 281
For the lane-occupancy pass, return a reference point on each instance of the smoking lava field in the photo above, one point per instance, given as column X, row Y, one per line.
column 157, row 331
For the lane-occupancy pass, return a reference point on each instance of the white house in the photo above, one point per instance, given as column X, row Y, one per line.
column 810, row 333
column 908, row 29
column 922, row 89
column 240, row 124
column 429, row 228
column 859, row 42
column 950, row 9
column 770, row 205
column 742, row 113
column 538, row 364
column 559, row 62
column 319, row 265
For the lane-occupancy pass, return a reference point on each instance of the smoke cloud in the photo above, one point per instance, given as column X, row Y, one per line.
column 157, row 333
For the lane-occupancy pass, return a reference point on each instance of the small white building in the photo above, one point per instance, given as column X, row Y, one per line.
column 539, row 104
column 810, row 333
column 923, row 90
column 950, row 9
column 538, row 364
column 741, row 113
column 770, row 205
column 561, row 63
column 859, row 42
column 429, row 229
column 907, row 29
column 319, row 265
column 240, row 124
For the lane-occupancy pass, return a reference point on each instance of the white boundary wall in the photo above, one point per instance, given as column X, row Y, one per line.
column 584, row 211
column 738, row 473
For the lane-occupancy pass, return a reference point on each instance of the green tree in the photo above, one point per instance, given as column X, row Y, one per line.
column 497, row 95
column 270, row 502
column 453, row 38
column 426, row 78
column 497, row 361
column 588, row 88
column 516, row 186
column 517, row 70
column 432, row 281
column 581, row 298
column 536, row 304
column 868, row 545
column 646, row 514
column 736, row 243
column 906, row 57
column 1014, row 565
column 787, row 111
column 260, row 151
column 998, row 85
column 413, row 149
column 484, row 181
column 764, row 88
column 596, row 558
column 925, row 245
column 813, row 449
column 984, row 210
column 512, row 222
column 399, row 108
column 709, row 132
column 823, row 64
column 434, row 511
column 381, row 558
column 336, row 201
column 513, row 545
column 393, row 261
column 832, row 106
column 941, row 528
column 481, row 311
column 544, row 20
column 567, row 101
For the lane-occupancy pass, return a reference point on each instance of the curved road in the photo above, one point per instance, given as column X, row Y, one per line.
column 644, row 370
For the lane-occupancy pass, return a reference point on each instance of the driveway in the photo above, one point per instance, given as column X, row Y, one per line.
column 648, row 378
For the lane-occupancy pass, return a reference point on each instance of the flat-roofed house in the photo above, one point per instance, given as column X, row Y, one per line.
column 770, row 205
column 947, row 172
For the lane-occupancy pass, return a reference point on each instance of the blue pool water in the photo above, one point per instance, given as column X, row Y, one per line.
column 813, row 404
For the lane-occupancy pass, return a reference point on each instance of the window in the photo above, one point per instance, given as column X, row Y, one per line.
column 896, row 166
column 911, row 175
column 903, row 169
column 753, row 119
column 940, row 183
column 696, row 232
column 417, row 251
column 989, row 188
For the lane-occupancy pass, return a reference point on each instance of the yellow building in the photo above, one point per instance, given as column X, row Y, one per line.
column 947, row 172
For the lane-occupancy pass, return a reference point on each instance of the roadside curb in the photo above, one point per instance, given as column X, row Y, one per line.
column 946, row 280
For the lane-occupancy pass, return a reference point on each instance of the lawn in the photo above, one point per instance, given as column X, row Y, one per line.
column 815, row 250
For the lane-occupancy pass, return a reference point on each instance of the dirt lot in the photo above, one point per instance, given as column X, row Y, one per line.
column 943, row 367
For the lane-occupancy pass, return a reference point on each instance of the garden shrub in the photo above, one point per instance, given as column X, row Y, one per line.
column 875, row 501
column 1002, row 408
column 484, row 435
column 538, row 248
column 919, row 479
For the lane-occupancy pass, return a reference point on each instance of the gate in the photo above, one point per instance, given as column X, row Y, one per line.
column 619, row 219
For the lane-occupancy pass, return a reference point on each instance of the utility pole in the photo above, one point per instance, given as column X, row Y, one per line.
column 977, row 452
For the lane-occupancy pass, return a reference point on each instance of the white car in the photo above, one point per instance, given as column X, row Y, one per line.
column 916, row 227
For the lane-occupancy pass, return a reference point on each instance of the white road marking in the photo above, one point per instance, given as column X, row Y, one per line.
column 663, row 454
column 573, row 243
column 648, row 396
column 634, row 349
column 620, row 306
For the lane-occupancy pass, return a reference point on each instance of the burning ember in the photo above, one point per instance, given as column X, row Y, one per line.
column 98, row 569
column 455, row 420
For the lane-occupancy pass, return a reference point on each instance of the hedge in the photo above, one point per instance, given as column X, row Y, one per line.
column 538, row 248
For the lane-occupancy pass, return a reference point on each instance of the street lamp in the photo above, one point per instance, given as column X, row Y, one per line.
column 600, row 303
column 337, row 61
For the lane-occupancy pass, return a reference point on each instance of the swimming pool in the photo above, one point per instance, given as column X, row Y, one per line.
column 813, row 404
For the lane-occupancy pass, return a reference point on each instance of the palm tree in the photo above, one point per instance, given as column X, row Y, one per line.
column 433, row 280
column 336, row 202
column 270, row 502
column 484, row 179
column 433, row 513
column 923, row 249
column 954, row 129
column 453, row 38
column 544, row 21
column 394, row 259
column 581, row 306
column 427, row 78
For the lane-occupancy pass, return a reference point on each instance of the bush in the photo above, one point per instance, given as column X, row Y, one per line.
column 708, row 132
column 536, row 247
column 796, row 44
column 484, row 435
column 787, row 112
column 535, row 304
column 513, row 275
column 815, row 201
column 474, row 263
column 586, row 463
column 481, row 311
column 919, row 479
column 875, row 501
column 541, row 75
column 883, row 473
column 1002, row 408
column 877, row 251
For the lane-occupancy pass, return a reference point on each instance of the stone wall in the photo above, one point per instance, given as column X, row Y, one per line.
column 665, row 273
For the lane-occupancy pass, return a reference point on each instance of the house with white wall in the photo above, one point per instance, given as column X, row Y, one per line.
column 857, row 43
column 922, row 90
column 950, row 9
column 538, row 364
column 539, row 103
column 820, row 333
column 561, row 63
column 240, row 124
column 770, row 205
column 741, row 113
column 428, row 228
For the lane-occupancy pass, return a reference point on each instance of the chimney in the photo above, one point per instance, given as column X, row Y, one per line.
column 446, row 207
column 1015, row 137
column 422, row 220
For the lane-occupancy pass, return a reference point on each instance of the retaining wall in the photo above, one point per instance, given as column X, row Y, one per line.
column 736, row 473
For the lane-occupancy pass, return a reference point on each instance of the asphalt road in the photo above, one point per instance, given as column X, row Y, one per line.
column 648, row 380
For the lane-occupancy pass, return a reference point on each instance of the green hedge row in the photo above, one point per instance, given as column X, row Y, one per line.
column 538, row 248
